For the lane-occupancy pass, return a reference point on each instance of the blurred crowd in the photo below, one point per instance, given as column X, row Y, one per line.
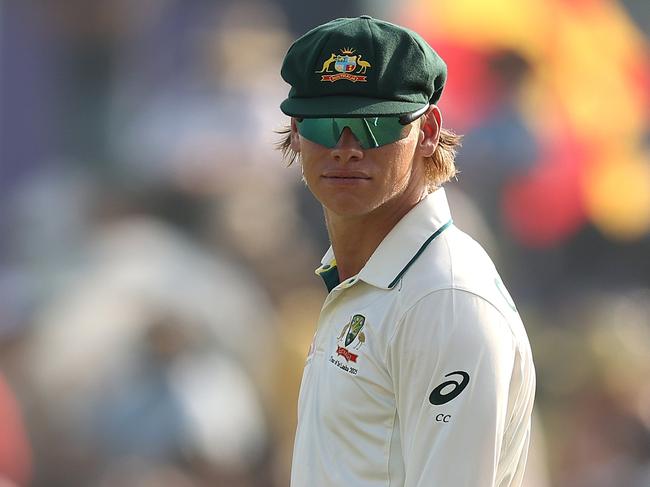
column 157, row 294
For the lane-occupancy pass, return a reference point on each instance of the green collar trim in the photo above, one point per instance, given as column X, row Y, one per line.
column 330, row 275
column 419, row 252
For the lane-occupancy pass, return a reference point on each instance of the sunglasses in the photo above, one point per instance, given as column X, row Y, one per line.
column 371, row 132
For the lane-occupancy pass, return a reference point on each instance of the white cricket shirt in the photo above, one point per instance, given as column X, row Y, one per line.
column 420, row 373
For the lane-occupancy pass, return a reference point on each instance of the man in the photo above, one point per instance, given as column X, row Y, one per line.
column 420, row 372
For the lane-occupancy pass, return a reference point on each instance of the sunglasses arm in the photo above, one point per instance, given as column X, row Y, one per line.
column 411, row 117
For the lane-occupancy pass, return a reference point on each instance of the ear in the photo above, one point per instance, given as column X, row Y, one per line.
column 295, row 137
column 429, row 131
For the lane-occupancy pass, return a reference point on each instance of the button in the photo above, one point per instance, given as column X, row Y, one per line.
column 365, row 17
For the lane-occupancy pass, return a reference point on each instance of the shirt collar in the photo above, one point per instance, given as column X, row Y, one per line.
column 401, row 247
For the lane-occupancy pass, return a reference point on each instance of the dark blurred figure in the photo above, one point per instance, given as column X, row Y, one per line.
column 501, row 145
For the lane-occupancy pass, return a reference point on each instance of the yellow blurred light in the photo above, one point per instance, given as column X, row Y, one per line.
column 617, row 195
column 590, row 63
column 497, row 23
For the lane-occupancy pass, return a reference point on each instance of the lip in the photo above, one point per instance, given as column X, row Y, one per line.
column 345, row 175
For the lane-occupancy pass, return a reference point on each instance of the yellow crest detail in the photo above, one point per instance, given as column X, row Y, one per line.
column 347, row 65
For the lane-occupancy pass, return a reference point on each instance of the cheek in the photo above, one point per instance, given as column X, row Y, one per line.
column 307, row 171
column 401, row 161
column 308, row 162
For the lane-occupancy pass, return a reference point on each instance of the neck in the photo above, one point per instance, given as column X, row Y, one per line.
column 355, row 238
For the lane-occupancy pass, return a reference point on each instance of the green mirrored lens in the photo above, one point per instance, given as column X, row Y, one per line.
column 370, row 132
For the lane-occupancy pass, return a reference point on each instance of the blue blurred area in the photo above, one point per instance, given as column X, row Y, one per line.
column 157, row 295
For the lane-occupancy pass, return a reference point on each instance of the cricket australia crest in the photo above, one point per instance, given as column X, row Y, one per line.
column 347, row 64
column 351, row 339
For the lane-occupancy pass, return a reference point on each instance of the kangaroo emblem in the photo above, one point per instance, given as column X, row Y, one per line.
column 364, row 64
column 343, row 332
column 362, row 339
column 327, row 63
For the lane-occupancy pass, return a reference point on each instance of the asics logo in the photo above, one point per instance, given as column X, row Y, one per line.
column 438, row 397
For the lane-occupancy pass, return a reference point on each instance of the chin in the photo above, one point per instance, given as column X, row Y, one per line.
column 348, row 206
column 346, row 201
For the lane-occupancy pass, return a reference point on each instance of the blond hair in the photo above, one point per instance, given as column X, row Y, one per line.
column 439, row 168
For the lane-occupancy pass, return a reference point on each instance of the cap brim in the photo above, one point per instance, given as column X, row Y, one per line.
column 346, row 106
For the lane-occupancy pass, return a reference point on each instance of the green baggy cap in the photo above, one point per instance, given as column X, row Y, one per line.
column 354, row 67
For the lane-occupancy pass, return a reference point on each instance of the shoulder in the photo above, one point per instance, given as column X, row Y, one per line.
column 454, row 261
column 456, row 324
column 446, row 313
column 454, row 284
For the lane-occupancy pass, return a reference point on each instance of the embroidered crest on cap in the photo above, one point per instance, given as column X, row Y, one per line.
column 345, row 64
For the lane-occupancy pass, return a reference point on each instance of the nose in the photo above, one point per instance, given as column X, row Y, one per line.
column 348, row 148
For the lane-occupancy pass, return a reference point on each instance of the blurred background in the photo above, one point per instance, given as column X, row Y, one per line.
column 157, row 295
